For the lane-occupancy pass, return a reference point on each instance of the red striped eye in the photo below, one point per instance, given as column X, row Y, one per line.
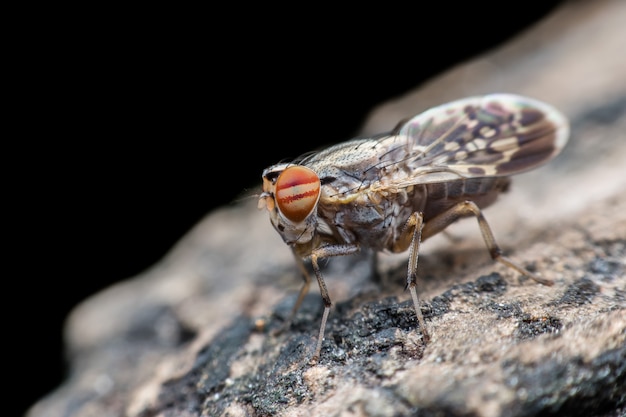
column 297, row 192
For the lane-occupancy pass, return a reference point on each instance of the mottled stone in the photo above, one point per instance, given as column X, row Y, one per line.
column 195, row 335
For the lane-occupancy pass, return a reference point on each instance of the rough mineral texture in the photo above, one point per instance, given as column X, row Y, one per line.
column 194, row 336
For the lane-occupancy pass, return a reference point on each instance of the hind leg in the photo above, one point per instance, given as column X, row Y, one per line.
column 469, row 208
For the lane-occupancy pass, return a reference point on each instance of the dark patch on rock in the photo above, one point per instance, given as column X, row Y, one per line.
column 620, row 296
column 158, row 324
column 580, row 292
column 531, row 327
column 218, row 355
column 492, row 283
column 439, row 306
column 375, row 327
column 310, row 311
column 486, row 284
column 278, row 381
column 558, row 386
column 504, row 310
column 388, row 313
column 607, row 268
column 207, row 377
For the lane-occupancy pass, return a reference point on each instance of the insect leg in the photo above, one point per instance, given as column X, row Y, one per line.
column 411, row 237
column 467, row 208
column 325, row 252
column 303, row 291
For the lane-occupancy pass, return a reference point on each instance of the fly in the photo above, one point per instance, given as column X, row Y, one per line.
column 391, row 192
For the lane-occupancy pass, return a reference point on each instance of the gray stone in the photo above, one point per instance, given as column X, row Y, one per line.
column 193, row 336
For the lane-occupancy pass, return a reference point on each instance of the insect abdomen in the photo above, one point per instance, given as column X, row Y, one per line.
column 482, row 191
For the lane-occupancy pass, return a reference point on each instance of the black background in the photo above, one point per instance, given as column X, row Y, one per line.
column 140, row 122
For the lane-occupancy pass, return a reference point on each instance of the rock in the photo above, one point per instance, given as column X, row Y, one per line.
column 194, row 336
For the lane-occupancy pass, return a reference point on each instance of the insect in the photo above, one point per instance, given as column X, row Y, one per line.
column 393, row 191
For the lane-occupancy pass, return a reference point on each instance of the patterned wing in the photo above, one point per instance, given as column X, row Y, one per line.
column 493, row 135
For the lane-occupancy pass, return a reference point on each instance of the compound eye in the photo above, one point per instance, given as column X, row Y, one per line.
column 297, row 192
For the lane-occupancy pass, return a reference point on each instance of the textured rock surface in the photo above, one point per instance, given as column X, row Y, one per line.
column 192, row 336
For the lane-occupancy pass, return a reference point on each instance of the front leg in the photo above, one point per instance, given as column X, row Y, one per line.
column 325, row 252
column 303, row 291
